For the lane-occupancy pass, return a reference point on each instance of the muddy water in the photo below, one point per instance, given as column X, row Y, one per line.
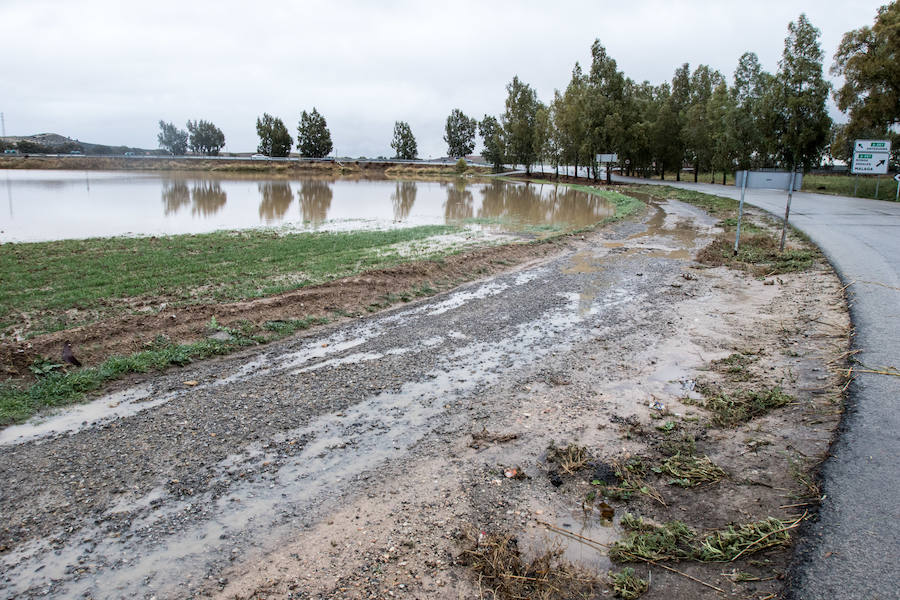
column 50, row 205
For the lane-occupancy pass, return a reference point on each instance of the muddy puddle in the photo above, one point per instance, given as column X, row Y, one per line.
column 52, row 205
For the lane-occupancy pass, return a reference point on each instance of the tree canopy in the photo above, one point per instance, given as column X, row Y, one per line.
column 274, row 139
column 404, row 143
column 518, row 121
column 172, row 139
column 806, row 125
column 459, row 133
column 313, row 136
column 205, row 138
column 869, row 60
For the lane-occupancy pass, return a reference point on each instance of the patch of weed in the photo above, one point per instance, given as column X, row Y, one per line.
column 727, row 544
column 730, row 410
column 570, row 459
column 670, row 541
column 685, row 444
column 627, row 585
column 757, row 252
column 689, row 471
column 676, row 541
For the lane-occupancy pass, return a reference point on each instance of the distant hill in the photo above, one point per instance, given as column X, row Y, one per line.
column 53, row 143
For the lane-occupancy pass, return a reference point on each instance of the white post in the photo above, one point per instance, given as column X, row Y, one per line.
column 737, row 237
column 787, row 211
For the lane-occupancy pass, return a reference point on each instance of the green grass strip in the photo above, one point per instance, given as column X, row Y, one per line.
column 93, row 274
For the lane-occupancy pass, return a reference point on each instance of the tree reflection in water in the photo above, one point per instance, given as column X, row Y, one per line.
column 315, row 200
column 403, row 198
column 276, row 198
column 175, row 194
column 459, row 202
column 538, row 204
column 208, row 198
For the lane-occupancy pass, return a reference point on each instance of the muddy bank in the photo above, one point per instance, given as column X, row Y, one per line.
column 336, row 300
column 351, row 462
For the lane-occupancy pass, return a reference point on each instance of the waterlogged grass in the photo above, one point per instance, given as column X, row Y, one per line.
column 759, row 251
column 57, row 387
column 725, row 208
column 93, row 274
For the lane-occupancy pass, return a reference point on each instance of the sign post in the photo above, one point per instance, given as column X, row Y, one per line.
column 737, row 237
column 772, row 180
column 787, row 211
column 871, row 157
column 608, row 159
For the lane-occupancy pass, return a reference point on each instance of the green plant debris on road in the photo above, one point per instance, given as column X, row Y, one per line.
column 690, row 471
column 731, row 409
column 673, row 541
column 627, row 585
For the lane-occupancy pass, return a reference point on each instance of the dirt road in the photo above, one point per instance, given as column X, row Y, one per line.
column 350, row 462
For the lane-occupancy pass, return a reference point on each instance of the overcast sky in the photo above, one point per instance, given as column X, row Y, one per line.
column 107, row 71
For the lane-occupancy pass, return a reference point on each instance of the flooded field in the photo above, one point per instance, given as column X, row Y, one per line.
column 52, row 205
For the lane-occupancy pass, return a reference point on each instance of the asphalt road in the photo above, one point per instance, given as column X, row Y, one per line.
column 851, row 551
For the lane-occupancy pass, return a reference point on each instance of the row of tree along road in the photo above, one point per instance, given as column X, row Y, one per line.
column 762, row 120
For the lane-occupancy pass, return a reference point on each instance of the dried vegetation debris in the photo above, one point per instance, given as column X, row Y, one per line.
column 502, row 571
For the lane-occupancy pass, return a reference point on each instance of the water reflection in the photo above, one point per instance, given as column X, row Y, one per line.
column 540, row 203
column 208, row 198
column 45, row 205
column 175, row 194
column 276, row 200
column 315, row 200
column 459, row 202
column 403, row 198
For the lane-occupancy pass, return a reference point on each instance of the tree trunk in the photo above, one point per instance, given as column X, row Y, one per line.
column 723, row 176
column 678, row 172
column 662, row 172
column 696, row 170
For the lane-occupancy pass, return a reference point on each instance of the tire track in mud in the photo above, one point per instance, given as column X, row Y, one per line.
column 154, row 491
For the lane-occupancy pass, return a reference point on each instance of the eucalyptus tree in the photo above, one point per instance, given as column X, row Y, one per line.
column 695, row 131
column 459, row 133
column 494, row 143
column 606, row 110
column 172, row 139
column 806, row 124
column 404, row 142
column 313, row 136
column 518, row 122
column 274, row 139
column 205, row 137
column 721, row 110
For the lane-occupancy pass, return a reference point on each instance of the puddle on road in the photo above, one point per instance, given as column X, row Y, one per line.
column 675, row 230
column 580, row 522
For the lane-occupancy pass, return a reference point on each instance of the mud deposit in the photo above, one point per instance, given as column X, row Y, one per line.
column 348, row 463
